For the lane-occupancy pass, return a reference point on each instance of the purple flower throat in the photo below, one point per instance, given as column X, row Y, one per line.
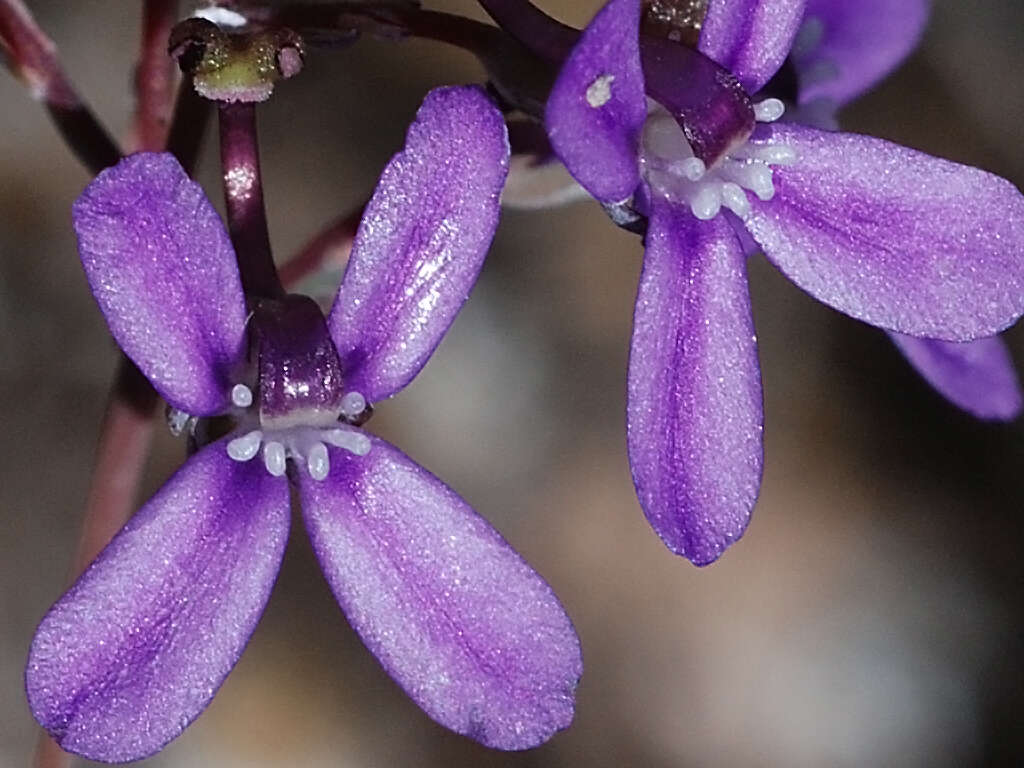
column 300, row 405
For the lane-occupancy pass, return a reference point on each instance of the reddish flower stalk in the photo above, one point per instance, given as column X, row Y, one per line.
column 333, row 243
column 243, row 195
column 154, row 76
column 32, row 57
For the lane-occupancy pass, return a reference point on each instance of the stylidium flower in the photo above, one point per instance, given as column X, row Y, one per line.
column 893, row 237
column 138, row 646
column 841, row 50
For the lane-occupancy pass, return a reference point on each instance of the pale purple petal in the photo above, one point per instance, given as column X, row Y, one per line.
column 597, row 107
column 421, row 242
column 892, row 236
column 750, row 38
column 846, row 47
column 456, row 617
column 977, row 376
column 694, row 398
column 135, row 650
column 163, row 271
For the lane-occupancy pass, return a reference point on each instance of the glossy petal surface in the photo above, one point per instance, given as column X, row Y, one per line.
column 597, row 107
column 456, row 617
column 421, row 242
column 694, row 400
column 977, row 376
column 850, row 46
column 750, row 38
column 135, row 650
column 162, row 269
column 894, row 237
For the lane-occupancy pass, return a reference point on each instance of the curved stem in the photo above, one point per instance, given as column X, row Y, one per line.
column 32, row 57
column 243, row 194
column 541, row 34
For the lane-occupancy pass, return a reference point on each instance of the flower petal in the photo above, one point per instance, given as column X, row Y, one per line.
column 135, row 650
column 456, row 617
column 597, row 106
column 694, row 399
column 421, row 242
column 163, row 271
column 977, row 376
column 846, row 47
column 892, row 236
column 750, row 38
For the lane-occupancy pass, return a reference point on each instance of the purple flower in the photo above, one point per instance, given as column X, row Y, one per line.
column 893, row 237
column 138, row 646
column 840, row 51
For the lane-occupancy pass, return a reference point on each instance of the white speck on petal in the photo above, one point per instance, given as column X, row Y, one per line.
column 600, row 91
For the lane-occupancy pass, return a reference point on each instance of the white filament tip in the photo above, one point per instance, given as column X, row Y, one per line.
column 707, row 202
column 241, row 396
column 769, row 110
column 353, row 442
column 245, row 447
column 735, row 199
column 274, row 458
column 353, row 404
column 318, row 462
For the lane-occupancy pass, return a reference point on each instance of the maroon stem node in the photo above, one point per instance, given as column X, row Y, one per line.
column 32, row 57
column 243, row 194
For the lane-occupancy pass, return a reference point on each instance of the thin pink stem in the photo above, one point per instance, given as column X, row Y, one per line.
column 332, row 245
column 154, row 76
column 32, row 57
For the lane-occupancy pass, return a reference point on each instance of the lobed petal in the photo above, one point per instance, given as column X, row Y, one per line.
column 695, row 414
column 597, row 106
column 457, row 618
column 750, row 38
column 850, row 46
column 161, row 267
column 977, row 376
column 422, row 241
column 136, row 649
column 892, row 236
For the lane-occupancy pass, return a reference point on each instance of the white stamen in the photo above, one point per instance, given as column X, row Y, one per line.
column 769, row 110
column 241, row 396
column 245, row 447
column 274, row 457
column 675, row 174
column 707, row 202
column 353, row 442
column 318, row 461
column 692, row 168
column 353, row 404
column 735, row 199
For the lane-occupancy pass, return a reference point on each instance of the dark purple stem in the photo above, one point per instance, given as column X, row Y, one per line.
column 541, row 34
column 243, row 194
column 154, row 76
column 32, row 57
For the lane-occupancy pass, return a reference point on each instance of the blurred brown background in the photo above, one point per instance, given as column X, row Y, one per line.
column 873, row 613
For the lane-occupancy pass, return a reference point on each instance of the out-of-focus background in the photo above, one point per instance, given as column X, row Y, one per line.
column 873, row 613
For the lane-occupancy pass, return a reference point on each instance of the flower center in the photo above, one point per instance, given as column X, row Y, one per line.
column 675, row 174
column 300, row 406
